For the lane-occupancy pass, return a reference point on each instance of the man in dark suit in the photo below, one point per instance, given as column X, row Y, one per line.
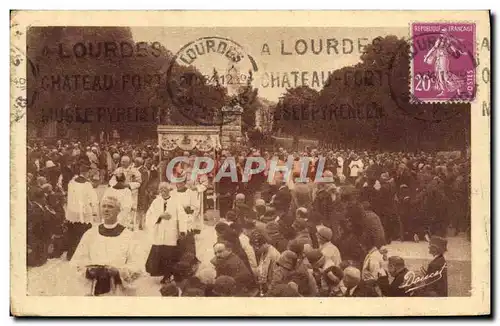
column 142, row 196
column 226, row 189
column 373, row 231
column 397, row 270
column 322, row 206
column 228, row 263
column 283, row 198
column 355, row 287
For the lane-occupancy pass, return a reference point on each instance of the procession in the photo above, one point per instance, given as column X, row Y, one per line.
column 191, row 177
column 310, row 222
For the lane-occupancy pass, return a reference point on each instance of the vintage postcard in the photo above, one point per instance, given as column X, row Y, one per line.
column 269, row 163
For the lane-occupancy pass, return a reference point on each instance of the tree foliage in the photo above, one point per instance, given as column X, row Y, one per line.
column 140, row 78
column 368, row 106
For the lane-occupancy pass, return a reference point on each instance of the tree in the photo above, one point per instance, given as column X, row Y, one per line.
column 380, row 83
column 293, row 114
column 248, row 98
column 125, row 73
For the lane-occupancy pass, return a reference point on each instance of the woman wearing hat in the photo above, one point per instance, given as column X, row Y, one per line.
column 326, row 274
column 267, row 257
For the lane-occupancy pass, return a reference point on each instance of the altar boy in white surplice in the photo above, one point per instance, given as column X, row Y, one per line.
column 106, row 256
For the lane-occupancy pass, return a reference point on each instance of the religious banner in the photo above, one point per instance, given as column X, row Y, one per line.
column 203, row 139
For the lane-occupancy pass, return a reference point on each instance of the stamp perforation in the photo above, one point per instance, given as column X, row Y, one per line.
column 411, row 83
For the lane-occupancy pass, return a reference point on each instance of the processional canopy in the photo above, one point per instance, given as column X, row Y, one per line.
column 188, row 138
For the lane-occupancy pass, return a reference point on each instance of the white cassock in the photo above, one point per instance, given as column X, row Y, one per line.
column 124, row 196
column 82, row 201
column 188, row 199
column 201, row 186
column 166, row 232
column 340, row 168
column 356, row 167
column 115, row 247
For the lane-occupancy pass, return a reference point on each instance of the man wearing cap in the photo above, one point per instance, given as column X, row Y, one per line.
column 327, row 248
column 437, row 269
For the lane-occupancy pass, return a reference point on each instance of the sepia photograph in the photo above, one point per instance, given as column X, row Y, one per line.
column 322, row 162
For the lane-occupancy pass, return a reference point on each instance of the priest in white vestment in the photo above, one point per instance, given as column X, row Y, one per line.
column 106, row 257
column 82, row 200
column 198, row 188
column 167, row 223
column 189, row 199
column 189, row 202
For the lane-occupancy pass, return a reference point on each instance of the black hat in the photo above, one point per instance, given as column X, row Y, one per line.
column 83, row 163
column 257, row 239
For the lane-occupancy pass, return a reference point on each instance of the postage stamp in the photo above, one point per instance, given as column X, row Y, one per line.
column 229, row 160
column 443, row 63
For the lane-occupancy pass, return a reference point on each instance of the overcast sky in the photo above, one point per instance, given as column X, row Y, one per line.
column 270, row 60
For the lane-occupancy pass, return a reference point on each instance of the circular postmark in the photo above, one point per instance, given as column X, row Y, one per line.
column 22, row 75
column 207, row 75
column 425, row 84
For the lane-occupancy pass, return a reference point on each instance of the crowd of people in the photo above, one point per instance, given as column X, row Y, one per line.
column 278, row 238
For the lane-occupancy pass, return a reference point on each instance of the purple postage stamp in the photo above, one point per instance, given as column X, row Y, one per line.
column 443, row 62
